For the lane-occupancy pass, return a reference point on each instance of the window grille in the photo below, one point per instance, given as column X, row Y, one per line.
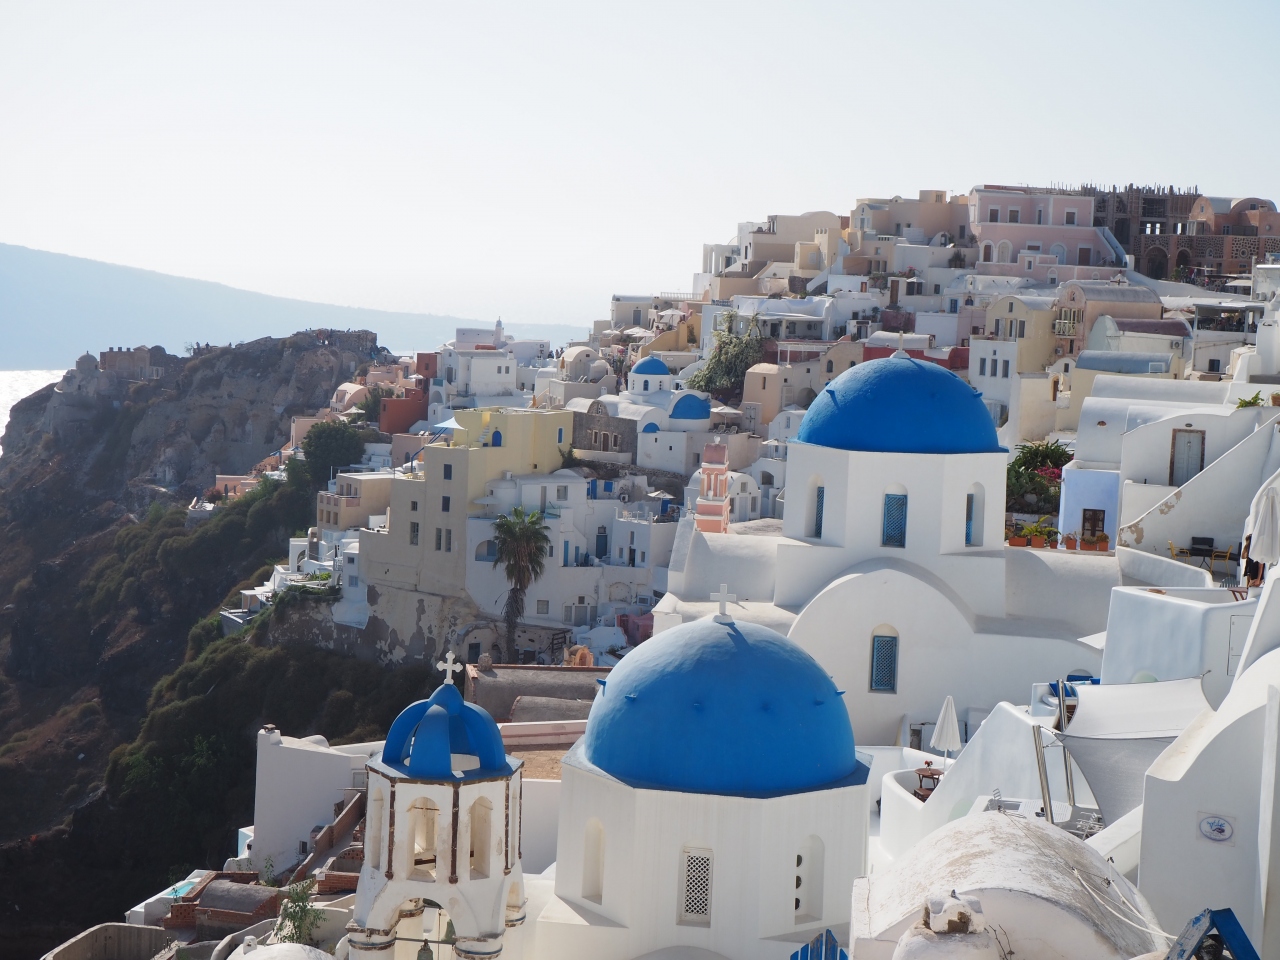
column 817, row 512
column 968, row 520
column 895, row 520
column 413, row 534
column 695, row 898
column 884, row 664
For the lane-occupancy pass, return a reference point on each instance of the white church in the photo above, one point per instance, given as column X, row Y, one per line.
column 891, row 569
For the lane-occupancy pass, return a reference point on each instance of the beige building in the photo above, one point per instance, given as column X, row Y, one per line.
column 1029, row 321
column 875, row 226
column 1081, row 302
column 771, row 387
column 355, row 499
column 423, row 547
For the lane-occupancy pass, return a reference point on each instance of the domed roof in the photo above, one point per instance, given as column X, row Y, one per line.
column 722, row 708
column 900, row 405
column 691, row 407
column 425, row 737
column 652, row 366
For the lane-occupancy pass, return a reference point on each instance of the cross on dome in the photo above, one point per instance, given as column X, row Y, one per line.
column 901, row 352
column 449, row 666
column 725, row 597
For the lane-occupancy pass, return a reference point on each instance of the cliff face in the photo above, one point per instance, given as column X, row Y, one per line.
column 89, row 468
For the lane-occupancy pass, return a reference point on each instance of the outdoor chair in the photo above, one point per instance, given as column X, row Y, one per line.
column 1202, row 549
column 1226, row 556
column 1179, row 553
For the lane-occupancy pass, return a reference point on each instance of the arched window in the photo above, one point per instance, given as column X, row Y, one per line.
column 894, row 529
column 481, row 830
column 1059, row 253
column 766, row 478
column 593, row 862
column 373, row 829
column 487, row 550
column 421, row 848
column 986, row 253
column 831, row 366
column 809, row 874
column 884, row 660
column 974, row 502
column 497, row 438
column 1004, row 252
column 645, row 386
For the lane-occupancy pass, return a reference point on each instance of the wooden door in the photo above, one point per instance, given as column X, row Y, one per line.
column 1186, row 456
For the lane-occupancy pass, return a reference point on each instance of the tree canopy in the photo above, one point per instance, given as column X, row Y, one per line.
column 522, row 544
column 329, row 446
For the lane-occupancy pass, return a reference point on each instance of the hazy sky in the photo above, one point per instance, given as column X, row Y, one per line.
column 531, row 159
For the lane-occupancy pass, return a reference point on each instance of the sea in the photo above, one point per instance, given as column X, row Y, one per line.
column 16, row 384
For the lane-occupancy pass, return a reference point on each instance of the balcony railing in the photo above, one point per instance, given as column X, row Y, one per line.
column 1065, row 328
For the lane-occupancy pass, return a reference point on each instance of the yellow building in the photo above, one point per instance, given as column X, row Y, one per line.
column 1029, row 321
column 424, row 545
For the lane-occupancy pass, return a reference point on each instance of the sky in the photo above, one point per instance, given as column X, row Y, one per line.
column 529, row 160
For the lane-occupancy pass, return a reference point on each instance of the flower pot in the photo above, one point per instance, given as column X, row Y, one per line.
column 1017, row 541
column 1070, row 543
column 1275, row 399
column 1038, row 542
column 1088, row 546
column 1104, row 546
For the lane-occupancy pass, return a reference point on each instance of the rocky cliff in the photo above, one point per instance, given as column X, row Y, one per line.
column 100, row 579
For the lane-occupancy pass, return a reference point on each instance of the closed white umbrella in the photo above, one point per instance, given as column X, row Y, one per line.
column 1264, row 547
column 946, row 734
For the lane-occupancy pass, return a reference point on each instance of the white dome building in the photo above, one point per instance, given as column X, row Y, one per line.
column 714, row 808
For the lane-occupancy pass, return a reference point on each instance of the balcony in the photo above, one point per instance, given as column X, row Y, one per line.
column 1065, row 328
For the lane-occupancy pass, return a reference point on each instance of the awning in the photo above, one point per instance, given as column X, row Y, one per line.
column 1119, row 729
column 450, row 424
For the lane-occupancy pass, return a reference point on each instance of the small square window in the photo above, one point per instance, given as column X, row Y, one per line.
column 544, row 607
column 413, row 505
column 562, row 493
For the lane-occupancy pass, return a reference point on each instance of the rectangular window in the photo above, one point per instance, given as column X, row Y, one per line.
column 695, row 886
column 1071, row 218
column 968, row 520
column 982, row 366
column 1092, row 522
column 895, row 520
column 642, row 556
column 1014, row 214
column 1022, row 329
column 448, row 471
column 448, row 540
column 444, row 504
column 1004, row 369
column 562, row 493
column 413, row 505
column 560, row 435
column 439, row 537
column 413, row 534
column 544, row 606
column 884, row 664
column 998, row 322
column 994, row 215
column 818, row 505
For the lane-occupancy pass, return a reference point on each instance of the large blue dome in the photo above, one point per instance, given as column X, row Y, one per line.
column 651, row 365
column 900, row 405
column 723, row 708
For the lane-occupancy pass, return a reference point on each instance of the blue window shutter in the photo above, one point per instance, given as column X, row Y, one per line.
column 817, row 512
column 895, row 520
column 968, row 520
column 566, row 553
column 884, row 664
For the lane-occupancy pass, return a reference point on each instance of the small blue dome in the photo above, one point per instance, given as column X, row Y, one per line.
column 652, row 366
column 426, row 735
column 691, row 407
column 900, row 405
column 733, row 709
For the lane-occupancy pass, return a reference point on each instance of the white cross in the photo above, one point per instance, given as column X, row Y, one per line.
column 725, row 597
column 449, row 667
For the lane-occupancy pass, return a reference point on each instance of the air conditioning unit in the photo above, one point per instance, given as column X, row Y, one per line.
column 1057, row 351
column 623, row 498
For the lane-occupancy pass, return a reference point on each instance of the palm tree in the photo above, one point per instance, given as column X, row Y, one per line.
column 522, row 544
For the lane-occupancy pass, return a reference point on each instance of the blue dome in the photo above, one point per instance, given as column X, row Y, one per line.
column 426, row 735
column 652, row 366
column 691, row 407
column 900, row 405
column 722, row 708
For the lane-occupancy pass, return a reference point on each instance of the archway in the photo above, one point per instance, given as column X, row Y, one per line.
column 1157, row 264
column 497, row 439
column 986, row 253
column 1183, row 263
column 1004, row 252
column 1059, row 252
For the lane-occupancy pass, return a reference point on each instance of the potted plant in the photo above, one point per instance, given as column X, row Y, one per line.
column 1088, row 542
column 1275, row 399
column 1015, row 538
column 1040, row 532
column 1104, row 542
column 1070, row 541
